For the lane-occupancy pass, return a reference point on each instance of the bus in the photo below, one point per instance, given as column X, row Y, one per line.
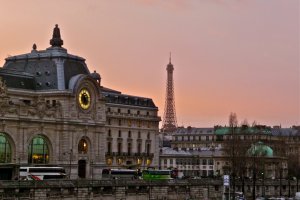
column 151, row 174
column 42, row 173
column 119, row 174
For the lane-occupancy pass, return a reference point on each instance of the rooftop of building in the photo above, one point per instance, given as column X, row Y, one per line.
column 116, row 97
column 193, row 131
column 203, row 152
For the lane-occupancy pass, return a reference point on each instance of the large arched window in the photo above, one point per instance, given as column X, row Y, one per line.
column 83, row 146
column 38, row 151
column 5, row 149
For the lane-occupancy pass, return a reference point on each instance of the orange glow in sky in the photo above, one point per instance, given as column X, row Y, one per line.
column 237, row 56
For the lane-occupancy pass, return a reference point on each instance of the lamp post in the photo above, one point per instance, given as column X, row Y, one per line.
column 280, row 177
column 70, row 164
column 92, row 162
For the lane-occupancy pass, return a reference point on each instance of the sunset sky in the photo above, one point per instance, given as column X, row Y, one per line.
column 237, row 56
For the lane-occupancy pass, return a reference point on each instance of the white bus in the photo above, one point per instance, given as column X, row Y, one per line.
column 42, row 173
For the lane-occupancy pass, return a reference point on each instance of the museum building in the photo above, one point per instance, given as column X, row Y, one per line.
column 53, row 111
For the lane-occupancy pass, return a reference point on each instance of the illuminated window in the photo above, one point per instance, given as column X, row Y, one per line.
column 5, row 149
column 120, row 161
column 38, row 151
column 82, row 146
column 139, row 161
column 148, row 162
column 109, row 161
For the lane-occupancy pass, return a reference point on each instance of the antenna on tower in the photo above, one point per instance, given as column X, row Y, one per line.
column 170, row 57
column 169, row 120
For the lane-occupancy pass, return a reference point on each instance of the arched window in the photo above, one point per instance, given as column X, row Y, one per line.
column 38, row 151
column 5, row 149
column 82, row 146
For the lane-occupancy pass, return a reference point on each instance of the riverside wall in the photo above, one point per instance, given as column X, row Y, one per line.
column 204, row 189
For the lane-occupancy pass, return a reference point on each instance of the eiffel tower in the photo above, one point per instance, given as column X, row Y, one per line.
column 169, row 120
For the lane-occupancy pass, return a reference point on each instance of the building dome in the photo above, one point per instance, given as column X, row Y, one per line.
column 260, row 149
column 96, row 76
column 47, row 69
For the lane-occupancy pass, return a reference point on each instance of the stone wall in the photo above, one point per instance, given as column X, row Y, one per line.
column 205, row 189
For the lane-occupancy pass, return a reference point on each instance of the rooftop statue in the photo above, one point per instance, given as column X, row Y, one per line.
column 56, row 40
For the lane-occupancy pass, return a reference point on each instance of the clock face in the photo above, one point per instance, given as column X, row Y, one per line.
column 84, row 99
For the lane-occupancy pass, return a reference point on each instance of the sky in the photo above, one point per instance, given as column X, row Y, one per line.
column 238, row 56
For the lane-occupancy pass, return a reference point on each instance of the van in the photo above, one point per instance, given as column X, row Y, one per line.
column 297, row 196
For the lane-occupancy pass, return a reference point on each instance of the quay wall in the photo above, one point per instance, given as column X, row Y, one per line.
column 204, row 189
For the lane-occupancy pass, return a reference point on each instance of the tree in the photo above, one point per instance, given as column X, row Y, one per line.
column 236, row 147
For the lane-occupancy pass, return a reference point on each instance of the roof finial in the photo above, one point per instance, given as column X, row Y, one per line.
column 34, row 46
column 56, row 40
column 170, row 57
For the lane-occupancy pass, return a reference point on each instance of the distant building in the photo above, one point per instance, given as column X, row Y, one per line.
column 54, row 111
column 266, row 149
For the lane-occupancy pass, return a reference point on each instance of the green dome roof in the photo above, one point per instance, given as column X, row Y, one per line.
column 260, row 149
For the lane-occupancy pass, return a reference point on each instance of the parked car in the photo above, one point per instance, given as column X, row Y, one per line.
column 239, row 196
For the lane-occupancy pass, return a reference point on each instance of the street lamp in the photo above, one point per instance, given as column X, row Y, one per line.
column 280, row 174
column 71, row 154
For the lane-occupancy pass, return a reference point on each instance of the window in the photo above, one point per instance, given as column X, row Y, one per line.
column 109, row 147
column 147, row 113
column 120, row 122
column 119, row 110
column 138, row 112
column 109, row 122
column 128, row 111
column 129, row 149
column 204, row 162
column 5, row 149
column 129, row 134
column 148, row 149
column 120, row 133
column 207, row 138
column 109, row 133
column 38, row 151
column 148, row 136
column 139, row 147
column 108, row 109
column 171, row 161
column 82, row 146
column 216, row 188
column 139, row 134
column 165, row 161
column 119, row 148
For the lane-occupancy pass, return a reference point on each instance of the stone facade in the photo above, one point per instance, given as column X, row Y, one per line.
column 53, row 111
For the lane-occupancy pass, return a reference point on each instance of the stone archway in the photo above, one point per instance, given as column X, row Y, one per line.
column 38, row 150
